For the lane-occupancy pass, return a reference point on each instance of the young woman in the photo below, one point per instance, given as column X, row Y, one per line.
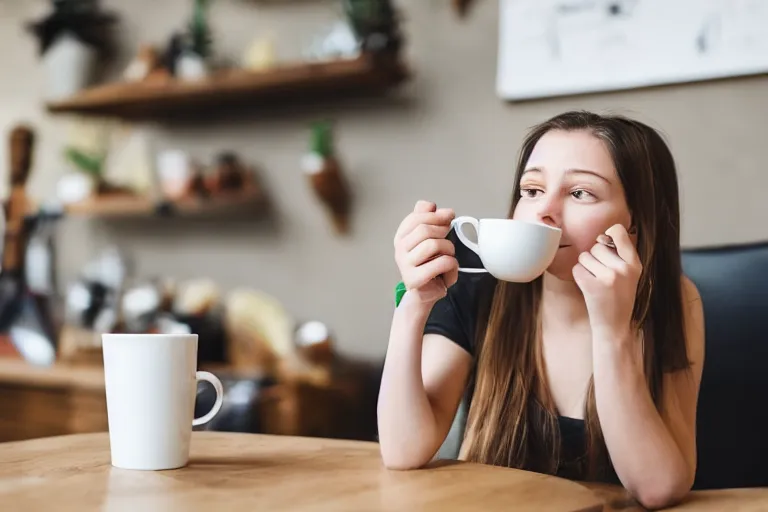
column 589, row 372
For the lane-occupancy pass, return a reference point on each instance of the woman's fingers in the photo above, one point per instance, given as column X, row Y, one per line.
column 421, row 275
column 440, row 217
column 430, row 249
column 421, row 233
column 424, row 206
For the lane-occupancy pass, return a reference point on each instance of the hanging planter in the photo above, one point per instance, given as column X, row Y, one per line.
column 71, row 39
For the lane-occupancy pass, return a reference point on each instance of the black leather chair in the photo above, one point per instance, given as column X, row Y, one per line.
column 732, row 423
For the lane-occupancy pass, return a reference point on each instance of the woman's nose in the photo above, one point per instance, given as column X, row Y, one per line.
column 550, row 212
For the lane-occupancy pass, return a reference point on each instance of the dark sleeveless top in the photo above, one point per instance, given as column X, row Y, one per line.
column 457, row 315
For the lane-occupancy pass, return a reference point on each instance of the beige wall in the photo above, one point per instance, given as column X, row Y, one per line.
column 447, row 138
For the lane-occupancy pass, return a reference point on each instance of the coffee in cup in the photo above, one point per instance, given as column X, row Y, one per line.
column 511, row 250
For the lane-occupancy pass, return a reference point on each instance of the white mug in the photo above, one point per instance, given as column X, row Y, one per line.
column 511, row 250
column 151, row 385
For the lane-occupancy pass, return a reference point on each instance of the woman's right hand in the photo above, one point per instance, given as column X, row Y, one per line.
column 425, row 257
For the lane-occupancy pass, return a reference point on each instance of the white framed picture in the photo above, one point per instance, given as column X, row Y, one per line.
column 561, row 47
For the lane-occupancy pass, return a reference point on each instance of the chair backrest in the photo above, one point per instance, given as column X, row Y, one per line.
column 732, row 423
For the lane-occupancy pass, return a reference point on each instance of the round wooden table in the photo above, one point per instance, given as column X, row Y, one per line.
column 255, row 472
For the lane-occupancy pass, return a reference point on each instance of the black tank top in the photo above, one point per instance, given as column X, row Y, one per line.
column 456, row 317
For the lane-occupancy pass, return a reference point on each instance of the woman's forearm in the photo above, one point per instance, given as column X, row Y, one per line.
column 643, row 451
column 408, row 435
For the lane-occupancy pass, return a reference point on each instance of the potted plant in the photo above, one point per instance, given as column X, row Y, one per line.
column 192, row 61
column 326, row 176
column 375, row 24
column 71, row 38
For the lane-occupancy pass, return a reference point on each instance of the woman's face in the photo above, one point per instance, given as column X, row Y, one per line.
column 570, row 182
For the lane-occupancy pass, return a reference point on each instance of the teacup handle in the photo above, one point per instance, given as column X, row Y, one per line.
column 457, row 224
column 214, row 380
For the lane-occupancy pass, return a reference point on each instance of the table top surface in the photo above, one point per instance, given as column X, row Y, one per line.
column 259, row 472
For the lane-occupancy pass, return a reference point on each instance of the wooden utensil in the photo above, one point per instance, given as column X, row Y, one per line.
column 16, row 209
column 21, row 313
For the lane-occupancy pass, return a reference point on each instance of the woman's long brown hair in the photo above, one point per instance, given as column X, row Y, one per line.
column 512, row 419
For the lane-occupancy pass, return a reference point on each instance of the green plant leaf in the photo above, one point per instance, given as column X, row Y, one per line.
column 322, row 138
column 199, row 30
column 88, row 164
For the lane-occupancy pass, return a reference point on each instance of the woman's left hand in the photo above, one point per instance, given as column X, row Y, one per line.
column 608, row 279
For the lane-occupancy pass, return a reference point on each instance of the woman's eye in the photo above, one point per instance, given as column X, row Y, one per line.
column 582, row 194
column 530, row 192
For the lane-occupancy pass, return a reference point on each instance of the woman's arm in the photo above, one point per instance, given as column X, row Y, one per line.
column 422, row 384
column 424, row 376
column 654, row 454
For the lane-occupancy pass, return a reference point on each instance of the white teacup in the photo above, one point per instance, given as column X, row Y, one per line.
column 511, row 250
column 151, row 385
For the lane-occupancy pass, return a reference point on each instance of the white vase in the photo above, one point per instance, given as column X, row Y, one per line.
column 191, row 66
column 68, row 67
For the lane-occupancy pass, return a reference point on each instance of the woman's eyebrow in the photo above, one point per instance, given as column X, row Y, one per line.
column 571, row 171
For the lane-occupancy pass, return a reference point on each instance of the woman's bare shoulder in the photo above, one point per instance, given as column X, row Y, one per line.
column 693, row 311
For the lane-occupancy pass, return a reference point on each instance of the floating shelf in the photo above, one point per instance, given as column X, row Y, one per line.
column 236, row 88
column 127, row 206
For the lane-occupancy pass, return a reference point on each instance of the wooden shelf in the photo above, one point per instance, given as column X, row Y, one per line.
column 236, row 88
column 126, row 206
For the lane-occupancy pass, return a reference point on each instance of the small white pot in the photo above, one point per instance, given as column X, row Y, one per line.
column 191, row 66
column 68, row 66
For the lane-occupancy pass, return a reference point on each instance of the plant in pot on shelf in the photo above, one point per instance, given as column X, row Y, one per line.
column 86, row 179
column 89, row 179
column 375, row 24
column 192, row 61
column 72, row 36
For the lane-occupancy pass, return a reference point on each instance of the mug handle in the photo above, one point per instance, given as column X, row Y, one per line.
column 214, row 380
column 457, row 224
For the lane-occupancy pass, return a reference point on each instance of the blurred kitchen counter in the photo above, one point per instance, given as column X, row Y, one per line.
column 58, row 376
column 70, row 399
column 50, row 401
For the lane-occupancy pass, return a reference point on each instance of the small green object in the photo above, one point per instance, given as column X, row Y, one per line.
column 399, row 292
column 322, row 138
column 200, row 30
column 84, row 162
